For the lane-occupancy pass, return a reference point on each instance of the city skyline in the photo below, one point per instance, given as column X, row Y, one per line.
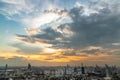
column 59, row 32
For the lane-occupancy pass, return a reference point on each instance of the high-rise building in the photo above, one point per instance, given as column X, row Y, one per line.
column 29, row 67
column 82, row 69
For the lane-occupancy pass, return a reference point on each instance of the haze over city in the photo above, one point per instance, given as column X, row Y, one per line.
column 59, row 32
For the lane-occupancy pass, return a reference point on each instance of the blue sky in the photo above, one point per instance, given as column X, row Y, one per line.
column 59, row 32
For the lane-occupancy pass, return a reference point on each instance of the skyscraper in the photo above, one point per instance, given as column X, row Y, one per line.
column 82, row 69
column 29, row 66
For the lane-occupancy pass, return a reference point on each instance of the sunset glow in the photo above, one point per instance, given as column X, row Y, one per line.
column 59, row 32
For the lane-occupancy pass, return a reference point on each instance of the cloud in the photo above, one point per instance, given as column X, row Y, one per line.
column 85, row 52
column 96, row 29
column 40, row 20
column 72, row 35
column 32, row 31
column 55, row 58
column 15, row 9
column 69, row 53
column 116, row 44
column 13, row 1
column 99, row 27
column 13, row 61
column 31, row 13
column 24, row 48
column 93, row 50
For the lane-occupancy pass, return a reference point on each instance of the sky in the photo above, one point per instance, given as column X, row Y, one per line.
column 59, row 32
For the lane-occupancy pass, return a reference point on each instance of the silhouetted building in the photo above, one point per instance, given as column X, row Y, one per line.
column 29, row 67
column 82, row 69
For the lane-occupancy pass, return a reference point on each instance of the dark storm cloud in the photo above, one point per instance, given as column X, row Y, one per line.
column 25, row 38
column 23, row 48
column 98, row 28
column 49, row 34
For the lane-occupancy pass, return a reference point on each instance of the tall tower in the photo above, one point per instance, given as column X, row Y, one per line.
column 107, row 73
column 29, row 66
column 6, row 66
column 107, row 70
column 65, row 71
column 82, row 69
column 75, row 69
